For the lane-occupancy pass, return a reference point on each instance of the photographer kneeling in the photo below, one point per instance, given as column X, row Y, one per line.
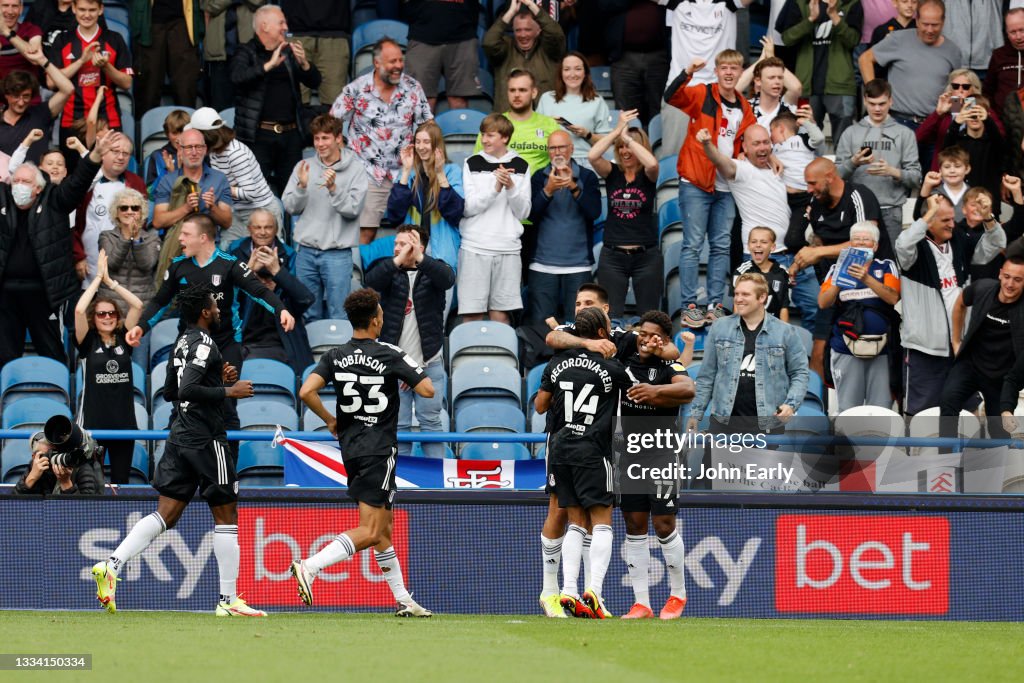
column 73, row 467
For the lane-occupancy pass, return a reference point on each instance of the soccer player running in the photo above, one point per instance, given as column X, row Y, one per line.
column 366, row 374
column 653, row 403
column 197, row 455
column 583, row 390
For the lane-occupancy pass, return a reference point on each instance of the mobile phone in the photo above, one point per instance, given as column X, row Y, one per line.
column 969, row 101
column 956, row 104
column 865, row 151
column 802, row 102
column 563, row 122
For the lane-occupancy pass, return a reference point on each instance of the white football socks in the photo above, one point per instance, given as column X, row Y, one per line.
column 674, row 552
column 552, row 549
column 572, row 550
column 388, row 563
column 137, row 540
column 341, row 548
column 587, row 541
column 600, row 556
column 638, row 560
column 225, row 548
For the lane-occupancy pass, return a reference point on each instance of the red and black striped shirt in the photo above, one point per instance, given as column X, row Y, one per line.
column 68, row 47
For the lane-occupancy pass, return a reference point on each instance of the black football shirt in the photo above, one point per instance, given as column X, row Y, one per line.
column 195, row 384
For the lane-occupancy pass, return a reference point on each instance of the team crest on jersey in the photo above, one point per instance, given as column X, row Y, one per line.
column 118, row 350
column 652, row 373
column 215, row 279
column 776, row 284
column 540, row 133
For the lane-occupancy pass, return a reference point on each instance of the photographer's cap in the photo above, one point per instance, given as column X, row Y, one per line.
column 37, row 438
column 204, row 118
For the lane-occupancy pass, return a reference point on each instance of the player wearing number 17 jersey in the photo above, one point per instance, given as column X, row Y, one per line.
column 366, row 374
column 583, row 389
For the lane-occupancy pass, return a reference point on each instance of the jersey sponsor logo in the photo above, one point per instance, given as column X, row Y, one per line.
column 858, row 564
column 112, row 366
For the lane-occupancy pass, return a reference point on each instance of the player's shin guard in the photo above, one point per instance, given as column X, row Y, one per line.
column 137, row 540
column 587, row 541
column 638, row 559
column 552, row 548
column 392, row 571
column 674, row 552
column 225, row 548
column 600, row 556
column 572, row 549
column 341, row 548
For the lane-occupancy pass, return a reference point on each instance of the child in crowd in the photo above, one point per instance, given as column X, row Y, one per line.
column 761, row 244
column 951, row 181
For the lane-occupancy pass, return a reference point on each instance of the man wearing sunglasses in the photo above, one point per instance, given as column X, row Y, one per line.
column 93, row 214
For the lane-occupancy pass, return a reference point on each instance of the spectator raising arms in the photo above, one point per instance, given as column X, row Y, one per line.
column 537, row 45
column 429, row 193
column 630, row 247
column 577, row 106
column 106, row 358
column 132, row 251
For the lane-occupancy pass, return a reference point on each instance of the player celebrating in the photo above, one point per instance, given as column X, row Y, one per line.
column 646, row 406
column 196, row 455
column 583, row 389
column 366, row 374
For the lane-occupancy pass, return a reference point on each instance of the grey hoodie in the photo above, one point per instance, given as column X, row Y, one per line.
column 891, row 141
column 328, row 220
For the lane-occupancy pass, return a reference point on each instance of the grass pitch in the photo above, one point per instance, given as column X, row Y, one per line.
column 159, row 646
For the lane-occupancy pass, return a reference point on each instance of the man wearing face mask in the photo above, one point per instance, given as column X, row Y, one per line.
column 37, row 276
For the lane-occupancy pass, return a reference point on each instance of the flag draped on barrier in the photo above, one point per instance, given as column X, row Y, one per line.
column 319, row 464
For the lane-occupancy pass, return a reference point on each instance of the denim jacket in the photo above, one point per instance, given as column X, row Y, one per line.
column 781, row 369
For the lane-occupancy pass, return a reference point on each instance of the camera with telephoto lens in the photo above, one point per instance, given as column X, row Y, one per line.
column 71, row 446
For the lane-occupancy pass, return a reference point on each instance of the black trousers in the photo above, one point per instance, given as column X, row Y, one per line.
column 963, row 380
column 29, row 309
column 638, row 82
column 277, row 153
column 170, row 55
column 120, row 453
column 614, row 270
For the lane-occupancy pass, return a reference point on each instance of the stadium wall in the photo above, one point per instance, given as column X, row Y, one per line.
column 889, row 559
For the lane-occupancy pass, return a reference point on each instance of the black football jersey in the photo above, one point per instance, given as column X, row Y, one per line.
column 585, row 389
column 366, row 375
column 624, row 340
column 195, row 384
column 654, row 371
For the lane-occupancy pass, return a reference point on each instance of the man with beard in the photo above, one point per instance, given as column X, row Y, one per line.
column 383, row 109
column 530, row 129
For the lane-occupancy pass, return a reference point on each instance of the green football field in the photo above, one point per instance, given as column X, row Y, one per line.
column 149, row 646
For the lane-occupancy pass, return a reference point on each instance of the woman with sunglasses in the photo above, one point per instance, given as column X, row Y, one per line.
column 931, row 134
column 577, row 106
column 106, row 400
column 132, row 251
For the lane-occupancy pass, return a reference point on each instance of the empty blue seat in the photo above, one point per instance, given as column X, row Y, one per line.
column 806, row 338
column 484, row 340
column 602, row 78
column 161, row 340
column 481, row 379
column 490, row 415
column 260, row 464
column 494, row 451
column 32, row 412
column 228, row 117
column 162, row 415
column 460, row 123
column 326, row 334
column 14, row 461
column 272, row 380
column 156, row 384
column 34, row 376
column 533, row 378
column 311, row 422
column 327, row 394
column 654, row 132
column 257, row 414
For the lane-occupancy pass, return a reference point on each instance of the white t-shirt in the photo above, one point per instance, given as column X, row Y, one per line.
column 728, row 128
column 947, row 277
column 97, row 220
column 760, row 197
column 700, row 28
column 794, row 155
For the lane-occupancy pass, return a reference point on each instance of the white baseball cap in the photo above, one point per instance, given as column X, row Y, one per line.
column 204, row 118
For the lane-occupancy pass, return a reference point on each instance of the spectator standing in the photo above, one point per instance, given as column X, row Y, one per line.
column 978, row 203
column 54, row 17
column 974, row 26
column 566, row 200
column 880, row 154
column 530, row 128
column 326, row 192
column 975, row 131
column 824, row 34
column 1005, row 72
column 443, row 43
column 577, row 106
column 934, row 263
column 233, row 158
column 705, row 202
column 760, row 244
column 630, row 250
column 950, row 180
column 266, row 73
column 413, row 287
column 382, row 109
column 861, row 338
column 537, row 45
column 107, row 399
column 918, row 63
column 273, row 262
column 323, row 29
column 497, row 182
column 962, row 84
column 131, row 250
column 167, row 35
column 11, row 57
column 775, row 89
column 36, row 270
column 906, row 10
column 20, row 116
column 635, row 40
column 429, row 194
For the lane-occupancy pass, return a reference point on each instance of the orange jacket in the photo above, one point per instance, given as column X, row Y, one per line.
column 702, row 103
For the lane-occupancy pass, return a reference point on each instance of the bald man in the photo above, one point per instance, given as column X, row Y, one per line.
column 566, row 202
column 835, row 206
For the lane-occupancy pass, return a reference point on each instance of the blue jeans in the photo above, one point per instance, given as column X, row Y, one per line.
column 705, row 214
column 805, row 293
column 328, row 274
column 428, row 411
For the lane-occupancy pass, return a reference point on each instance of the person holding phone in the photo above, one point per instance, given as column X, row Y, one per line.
column 577, row 106
column 961, row 85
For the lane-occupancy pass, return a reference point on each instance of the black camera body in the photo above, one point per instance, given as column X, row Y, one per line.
column 71, row 446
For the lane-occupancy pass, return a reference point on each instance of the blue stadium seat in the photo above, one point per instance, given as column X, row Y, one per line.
column 115, row 13
column 670, row 224
column 365, row 35
column 326, row 334
column 32, row 412
column 14, row 460
column 141, row 416
column 494, row 451
column 256, row 414
column 538, row 422
column 272, row 380
column 668, row 181
column 34, row 376
column 327, row 393
column 260, row 464
column 460, row 122
column 382, row 247
column 139, row 474
column 654, row 132
column 806, row 338
column 815, row 391
column 490, row 415
column 484, row 340
column 311, row 422
column 602, row 78
column 228, row 117
column 156, row 385
column 533, row 378
column 162, row 415
column 472, row 381
column 161, row 340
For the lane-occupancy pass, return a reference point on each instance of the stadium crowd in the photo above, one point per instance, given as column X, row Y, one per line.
column 687, row 169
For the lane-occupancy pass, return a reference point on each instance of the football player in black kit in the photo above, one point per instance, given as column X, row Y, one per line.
column 201, row 262
column 366, row 374
column 653, row 403
column 196, row 456
column 582, row 388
